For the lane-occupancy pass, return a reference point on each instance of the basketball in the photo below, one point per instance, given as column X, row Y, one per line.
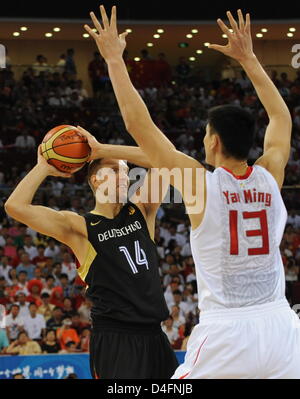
column 65, row 148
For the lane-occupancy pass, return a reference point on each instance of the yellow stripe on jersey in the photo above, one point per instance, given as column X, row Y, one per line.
column 84, row 269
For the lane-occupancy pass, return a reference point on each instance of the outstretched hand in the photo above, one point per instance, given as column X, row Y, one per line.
column 110, row 44
column 239, row 44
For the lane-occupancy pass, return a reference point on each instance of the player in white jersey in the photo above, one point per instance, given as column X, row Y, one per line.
column 247, row 328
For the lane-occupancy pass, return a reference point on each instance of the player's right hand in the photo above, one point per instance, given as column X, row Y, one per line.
column 49, row 169
column 110, row 44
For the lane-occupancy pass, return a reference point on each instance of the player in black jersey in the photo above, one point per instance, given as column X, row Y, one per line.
column 118, row 261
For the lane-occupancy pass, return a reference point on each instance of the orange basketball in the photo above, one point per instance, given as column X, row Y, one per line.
column 65, row 148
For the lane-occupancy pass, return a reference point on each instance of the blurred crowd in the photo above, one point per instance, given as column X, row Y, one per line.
column 47, row 311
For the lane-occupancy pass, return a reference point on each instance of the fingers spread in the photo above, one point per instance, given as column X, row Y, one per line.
column 247, row 27
column 90, row 32
column 218, row 47
column 113, row 18
column 241, row 19
column 104, row 18
column 232, row 22
column 223, row 27
column 96, row 22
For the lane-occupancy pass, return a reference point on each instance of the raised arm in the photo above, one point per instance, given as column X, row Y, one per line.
column 278, row 133
column 138, row 121
column 61, row 225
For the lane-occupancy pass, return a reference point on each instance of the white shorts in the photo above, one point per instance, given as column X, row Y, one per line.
column 260, row 341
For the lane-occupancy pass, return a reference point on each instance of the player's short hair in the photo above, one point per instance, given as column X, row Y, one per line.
column 92, row 170
column 235, row 127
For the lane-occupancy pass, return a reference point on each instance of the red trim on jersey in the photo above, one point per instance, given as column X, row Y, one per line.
column 198, row 353
column 245, row 176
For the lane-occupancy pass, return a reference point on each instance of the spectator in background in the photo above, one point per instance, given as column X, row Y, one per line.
column 57, row 297
column 5, row 268
column 183, row 70
column 65, row 285
column 29, row 248
column 24, row 345
column 9, row 248
column 67, row 308
column 34, row 324
column 35, row 287
column 163, row 71
column 170, row 331
column 178, row 319
column 293, row 219
column 4, row 343
column 12, row 278
column 70, row 347
column 50, row 343
column 85, row 337
column 97, row 73
column 24, row 305
column 52, row 250
column 46, row 308
column 24, row 142
column 4, row 299
column 66, row 333
column 61, row 64
column 26, row 266
column 68, row 267
column 70, row 67
column 55, row 321
column 77, row 324
column 40, row 65
column 21, row 284
column 49, row 285
column 85, row 311
column 14, row 322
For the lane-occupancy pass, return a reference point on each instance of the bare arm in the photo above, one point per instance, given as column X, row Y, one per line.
column 278, row 134
column 45, row 220
column 138, row 121
column 129, row 153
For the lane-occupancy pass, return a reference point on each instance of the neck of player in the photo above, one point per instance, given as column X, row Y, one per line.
column 237, row 167
column 109, row 211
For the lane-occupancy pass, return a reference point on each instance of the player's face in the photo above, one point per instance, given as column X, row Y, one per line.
column 114, row 172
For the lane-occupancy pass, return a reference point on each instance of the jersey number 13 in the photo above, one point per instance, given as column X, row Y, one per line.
column 263, row 232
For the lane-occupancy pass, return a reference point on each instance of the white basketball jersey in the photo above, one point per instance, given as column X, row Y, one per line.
column 236, row 247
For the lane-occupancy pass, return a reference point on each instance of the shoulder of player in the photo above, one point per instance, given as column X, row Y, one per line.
column 274, row 163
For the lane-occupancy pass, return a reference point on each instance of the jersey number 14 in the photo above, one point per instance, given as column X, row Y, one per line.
column 263, row 232
column 140, row 257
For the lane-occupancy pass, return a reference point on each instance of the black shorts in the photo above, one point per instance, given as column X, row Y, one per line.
column 119, row 353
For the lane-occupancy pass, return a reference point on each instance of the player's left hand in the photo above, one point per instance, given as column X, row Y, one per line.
column 110, row 44
column 49, row 169
column 239, row 45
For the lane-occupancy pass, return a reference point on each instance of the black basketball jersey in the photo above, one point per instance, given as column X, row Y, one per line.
column 121, row 269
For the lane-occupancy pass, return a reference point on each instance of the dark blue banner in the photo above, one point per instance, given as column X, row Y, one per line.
column 51, row 366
